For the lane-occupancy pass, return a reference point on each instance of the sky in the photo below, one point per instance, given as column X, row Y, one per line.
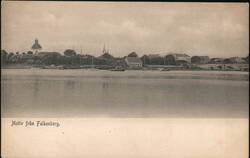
column 212, row 29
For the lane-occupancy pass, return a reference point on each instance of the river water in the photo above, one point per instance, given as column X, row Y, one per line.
column 100, row 93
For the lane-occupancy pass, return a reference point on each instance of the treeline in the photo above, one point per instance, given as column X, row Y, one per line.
column 69, row 57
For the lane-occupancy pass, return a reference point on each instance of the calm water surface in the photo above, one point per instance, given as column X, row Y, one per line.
column 87, row 93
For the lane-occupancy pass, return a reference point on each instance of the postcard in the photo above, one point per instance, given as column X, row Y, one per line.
column 124, row 79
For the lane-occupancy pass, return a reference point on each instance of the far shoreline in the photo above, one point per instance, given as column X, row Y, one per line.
column 154, row 70
column 202, row 67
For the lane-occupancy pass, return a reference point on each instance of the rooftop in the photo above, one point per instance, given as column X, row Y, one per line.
column 36, row 45
column 179, row 55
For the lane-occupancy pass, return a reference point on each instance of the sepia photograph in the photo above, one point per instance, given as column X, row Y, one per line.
column 124, row 79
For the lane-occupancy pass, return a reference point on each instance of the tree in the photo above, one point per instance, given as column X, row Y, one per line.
column 10, row 55
column 63, row 60
column 247, row 59
column 69, row 52
column 133, row 54
column 100, row 61
column 227, row 61
column 145, row 59
column 195, row 60
column 75, row 60
column 4, row 55
column 107, row 56
column 29, row 52
column 157, row 61
column 50, row 58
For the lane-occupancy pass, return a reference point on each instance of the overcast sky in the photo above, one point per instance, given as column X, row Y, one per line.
column 213, row 29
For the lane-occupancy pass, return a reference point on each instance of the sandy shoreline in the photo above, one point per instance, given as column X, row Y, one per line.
column 78, row 71
column 89, row 73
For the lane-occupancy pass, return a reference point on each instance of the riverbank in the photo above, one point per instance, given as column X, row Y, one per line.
column 202, row 67
column 140, row 74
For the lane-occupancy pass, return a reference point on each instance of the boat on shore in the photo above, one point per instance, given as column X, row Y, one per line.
column 118, row 69
column 104, row 67
column 165, row 69
column 52, row 67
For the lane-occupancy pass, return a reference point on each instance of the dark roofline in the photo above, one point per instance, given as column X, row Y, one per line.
column 36, row 46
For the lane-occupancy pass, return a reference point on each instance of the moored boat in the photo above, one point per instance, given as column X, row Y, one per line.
column 118, row 69
column 165, row 69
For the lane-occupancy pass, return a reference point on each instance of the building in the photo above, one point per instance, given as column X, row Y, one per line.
column 133, row 62
column 36, row 46
column 199, row 59
column 177, row 59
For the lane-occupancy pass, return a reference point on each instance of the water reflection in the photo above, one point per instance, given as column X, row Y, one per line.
column 36, row 87
column 70, row 84
column 78, row 95
column 105, row 85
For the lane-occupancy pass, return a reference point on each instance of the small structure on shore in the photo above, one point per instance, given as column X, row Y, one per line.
column 133, row 62
column 177, row 59
column 36, row 46
column 199, row 59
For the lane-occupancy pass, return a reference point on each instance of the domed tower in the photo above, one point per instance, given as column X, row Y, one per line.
column 36, row 46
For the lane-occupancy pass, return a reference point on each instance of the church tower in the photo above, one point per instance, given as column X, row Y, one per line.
column 104, row 50
column 36, row 46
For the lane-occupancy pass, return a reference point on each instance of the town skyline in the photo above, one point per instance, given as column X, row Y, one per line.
column 204, row 29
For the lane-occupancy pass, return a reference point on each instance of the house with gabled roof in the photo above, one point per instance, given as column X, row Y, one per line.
column 133, row 62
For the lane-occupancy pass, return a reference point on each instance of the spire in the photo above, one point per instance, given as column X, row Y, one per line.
column 104, row 50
